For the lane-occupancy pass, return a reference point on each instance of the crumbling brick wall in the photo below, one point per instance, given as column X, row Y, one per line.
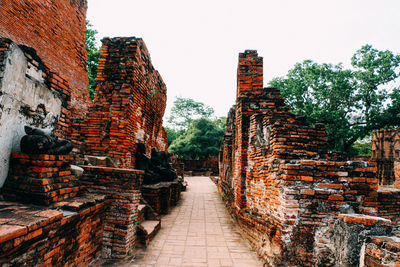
column 56, row 30
column 129, row 104
column 285, row 188
column 30, row 94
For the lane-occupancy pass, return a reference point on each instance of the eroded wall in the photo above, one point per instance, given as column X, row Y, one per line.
column 30, row 94
column 284, row 187
column 129, row 104
column 56, row 30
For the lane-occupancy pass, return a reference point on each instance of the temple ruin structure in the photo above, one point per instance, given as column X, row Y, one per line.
column 298, row 204
column 53, row 212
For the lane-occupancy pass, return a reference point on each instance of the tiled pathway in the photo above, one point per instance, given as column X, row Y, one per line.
column 198, row 232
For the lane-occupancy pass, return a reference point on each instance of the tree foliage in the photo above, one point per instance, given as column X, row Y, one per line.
column 93, row 53
column 350, row 102
column 201, row 140
column 185, row 110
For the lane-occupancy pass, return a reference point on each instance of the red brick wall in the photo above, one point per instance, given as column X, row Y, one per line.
column 285, row 188
column 129, row 103
column 56, row 30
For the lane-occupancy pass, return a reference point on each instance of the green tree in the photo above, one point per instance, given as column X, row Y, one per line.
column 350, row 102
column 185, row 110
column 172, row 134
column 93, row 53
column 202, row 140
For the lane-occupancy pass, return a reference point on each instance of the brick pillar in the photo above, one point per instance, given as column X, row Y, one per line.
column 249, row 73
column 249, row 85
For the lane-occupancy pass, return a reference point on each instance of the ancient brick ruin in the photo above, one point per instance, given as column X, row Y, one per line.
column 385, row 148
column 128, row 107
column 298, row 204
column 76, row 218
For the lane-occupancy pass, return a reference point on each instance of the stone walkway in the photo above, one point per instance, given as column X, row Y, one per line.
column 198, row 232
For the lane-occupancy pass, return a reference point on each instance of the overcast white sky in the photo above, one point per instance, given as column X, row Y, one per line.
column 195, row 44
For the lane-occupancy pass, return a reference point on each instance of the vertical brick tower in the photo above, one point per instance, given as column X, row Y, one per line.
column 129, row 103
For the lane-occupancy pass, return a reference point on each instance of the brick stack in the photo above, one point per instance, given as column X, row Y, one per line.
column 56, row 35
column 389, row 205
column 158, row 196
column 175, row 192
column 382, row 251
column 40, row 179
column 279, row 180
column 162, row 196
column 129, row 104
column 122, row 186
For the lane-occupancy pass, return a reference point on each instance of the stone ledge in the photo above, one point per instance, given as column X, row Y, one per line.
column 364, row 219
column 110, row 169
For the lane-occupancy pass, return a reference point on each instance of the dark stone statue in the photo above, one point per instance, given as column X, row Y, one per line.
column 37, row 141
column 157, row 168
column 144, row 163
column 161, row 165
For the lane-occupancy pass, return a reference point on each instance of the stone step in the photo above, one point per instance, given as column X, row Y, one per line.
column 146, row 232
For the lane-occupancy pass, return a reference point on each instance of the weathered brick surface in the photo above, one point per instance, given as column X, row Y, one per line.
column 37, row 236
column 40, row 179
column 385, row 148
column 129, row 104
column 278, row 178
column 382, row 251
column 351, row 231
column 162, row 196
column 55, row 82
column 56, row 30
column 122, row 186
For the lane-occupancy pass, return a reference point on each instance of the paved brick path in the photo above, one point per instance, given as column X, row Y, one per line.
column 198, row 232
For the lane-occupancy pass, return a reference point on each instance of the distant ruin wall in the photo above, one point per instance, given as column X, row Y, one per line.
column 385, row 148
column 206, row 165
column 129, row 104
column 56, row 30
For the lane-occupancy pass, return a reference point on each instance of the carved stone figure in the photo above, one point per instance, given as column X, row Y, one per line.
column 144, row 163
column 37, row 141
column 161, row 166
column 157, row 168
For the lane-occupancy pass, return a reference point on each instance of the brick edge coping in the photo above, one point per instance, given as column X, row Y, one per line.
column 110, row 169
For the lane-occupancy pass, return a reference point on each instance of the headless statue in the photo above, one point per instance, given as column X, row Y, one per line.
column 157, row 168
column 144, row 163
column 37, row 141
column 160, row 165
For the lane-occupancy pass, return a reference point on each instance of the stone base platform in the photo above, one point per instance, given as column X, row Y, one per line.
column 67, row 233
column 162, row 196
column 40, row 179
